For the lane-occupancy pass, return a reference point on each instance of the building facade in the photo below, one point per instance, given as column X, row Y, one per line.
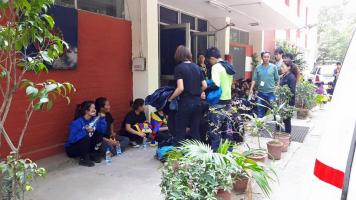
column 126, row 49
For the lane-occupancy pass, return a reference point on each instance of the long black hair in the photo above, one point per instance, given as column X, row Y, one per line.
column 137, row 103
column 82, row 108
column 100, row 103
column 293, row 68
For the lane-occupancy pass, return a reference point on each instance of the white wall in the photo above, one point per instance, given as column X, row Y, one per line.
column 144, row 17
column 257, row 41
column 223, row 36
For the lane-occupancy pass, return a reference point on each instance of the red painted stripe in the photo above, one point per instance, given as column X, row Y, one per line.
column 328, row 174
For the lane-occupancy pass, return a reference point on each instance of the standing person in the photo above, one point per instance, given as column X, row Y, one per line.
column 278, row 54
column 265, row 77
column 130, row 125
column 83, row 140
column 222, row 74
column 337, row 72
column 202, row 65
column 190, row 86
column 110, row 138
column 290, row 75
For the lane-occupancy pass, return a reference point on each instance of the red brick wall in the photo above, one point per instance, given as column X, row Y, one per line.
column 104, row 60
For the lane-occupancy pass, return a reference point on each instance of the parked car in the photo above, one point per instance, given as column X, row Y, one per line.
column 335, row 162
column 322, row 73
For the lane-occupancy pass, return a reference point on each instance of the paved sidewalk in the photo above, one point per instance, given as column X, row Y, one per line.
column 135, row 175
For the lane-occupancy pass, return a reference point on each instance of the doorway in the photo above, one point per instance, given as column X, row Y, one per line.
column 239, row 61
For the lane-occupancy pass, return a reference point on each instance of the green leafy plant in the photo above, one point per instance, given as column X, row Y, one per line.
column 255, row 61
column 194, row 171
column 283, row 94
column 27, row 45
column 256, row 125
column 321, row 99
column 305, row 95
column 294, row 51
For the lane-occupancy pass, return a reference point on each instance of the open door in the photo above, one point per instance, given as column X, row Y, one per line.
column 201, row 41
column 171, row 36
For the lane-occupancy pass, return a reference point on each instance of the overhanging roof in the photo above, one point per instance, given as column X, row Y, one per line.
column 269, row 14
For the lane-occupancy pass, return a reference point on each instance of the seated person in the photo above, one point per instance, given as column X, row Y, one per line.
column 83, row 140
column 111, row 139
column 320, row 88
column 160, row 133
column 134, row 123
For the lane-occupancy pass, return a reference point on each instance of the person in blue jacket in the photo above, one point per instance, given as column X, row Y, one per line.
column 84, row 141
column 290, row 75
column 111, row 139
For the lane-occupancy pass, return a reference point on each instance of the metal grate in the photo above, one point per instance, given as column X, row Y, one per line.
column 298, row 132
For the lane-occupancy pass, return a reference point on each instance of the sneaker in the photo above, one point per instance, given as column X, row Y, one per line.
column 154, row 143
column 135, row 145
column 86, row 162
column 95, row 158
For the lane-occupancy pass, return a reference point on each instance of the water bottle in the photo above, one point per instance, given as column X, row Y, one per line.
column 108, row 158
column 118, row 150
column 144, row 143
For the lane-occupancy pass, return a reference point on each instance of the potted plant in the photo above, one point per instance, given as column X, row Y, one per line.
column 194, row 171
column 305, row 99
column 320, row 100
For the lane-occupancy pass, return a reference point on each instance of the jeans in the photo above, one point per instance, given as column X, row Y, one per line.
column 187, row 116
column 264, row 99
column 219, row 126
column 124, row 143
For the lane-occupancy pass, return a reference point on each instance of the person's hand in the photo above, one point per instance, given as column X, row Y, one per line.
column 113, row 142
column 113, row 135
column 89, row 129
column 102, row 114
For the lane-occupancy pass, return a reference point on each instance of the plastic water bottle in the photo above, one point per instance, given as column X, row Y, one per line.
column 118, row 150
column 108, row 158
column 144, row 143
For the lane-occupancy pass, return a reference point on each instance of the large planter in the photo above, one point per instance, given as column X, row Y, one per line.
column 223, row 195
column 302, row 113
column 240, row 184
column 285, row 139
column 274, row 148
column 257, row 157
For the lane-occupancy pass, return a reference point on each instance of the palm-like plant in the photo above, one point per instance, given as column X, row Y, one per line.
column 257, row 125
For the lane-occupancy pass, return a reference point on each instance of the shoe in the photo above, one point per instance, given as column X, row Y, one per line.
column 86, row 162
column 135, row 145
column 95, row 158
column 154, row 143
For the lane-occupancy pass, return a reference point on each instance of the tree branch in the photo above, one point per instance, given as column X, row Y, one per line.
column 7, row 138
column 29, row 112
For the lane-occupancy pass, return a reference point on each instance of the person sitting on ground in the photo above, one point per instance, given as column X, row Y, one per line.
column 111, row 139
column 160, row 133
column 320, row 88
column 83, row 140
column 132, row 122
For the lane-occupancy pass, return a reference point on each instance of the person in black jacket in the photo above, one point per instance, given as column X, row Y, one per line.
column 289, row 77
column 190, row 86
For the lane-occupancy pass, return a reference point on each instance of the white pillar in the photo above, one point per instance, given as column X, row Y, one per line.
column 144, row 17
column 257, row 41
column 222, row 36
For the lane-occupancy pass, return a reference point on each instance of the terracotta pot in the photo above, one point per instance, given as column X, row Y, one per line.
column 223, row 195
column 274, row 148
column 285, row 139
column 257, row 157
column 302, row 113
column 240, row 184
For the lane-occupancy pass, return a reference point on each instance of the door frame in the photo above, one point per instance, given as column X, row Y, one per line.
column 197, row 34
column 248, row 50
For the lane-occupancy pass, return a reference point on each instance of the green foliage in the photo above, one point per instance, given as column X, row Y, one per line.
column 298, row 55
column 283, row 94
column 255, row 61
column 335, row 28
column 321, row 99
column 27, row 24
column 305, row 95
column 193, row 171
column 23, row 171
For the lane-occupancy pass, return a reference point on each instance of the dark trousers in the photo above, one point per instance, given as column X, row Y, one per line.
column 85, row 146
column 133, row 137
column 287, row 125
column 188, row 115
column 263, row 101
column 124, row 143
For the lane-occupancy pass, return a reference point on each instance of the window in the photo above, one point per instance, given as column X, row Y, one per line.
column 106, row 7
column 65, row 3
column 113, row 8
column 202, row 25
column 238, row 36
column 188, row 19
column 168, row 16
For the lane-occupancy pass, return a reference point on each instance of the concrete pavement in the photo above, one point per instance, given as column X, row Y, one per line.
column 135, row 175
